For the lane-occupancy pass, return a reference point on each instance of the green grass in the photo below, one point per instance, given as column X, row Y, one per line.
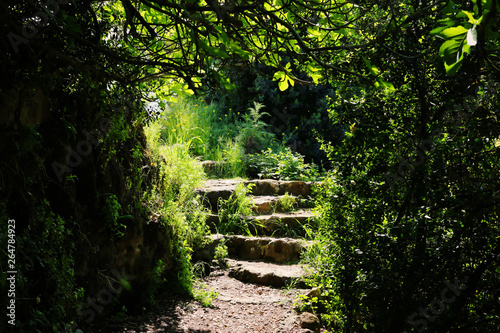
column 232, row 210
column 206, row 127
column 209, row 132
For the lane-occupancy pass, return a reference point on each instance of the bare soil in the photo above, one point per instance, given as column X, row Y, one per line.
column 239, row 308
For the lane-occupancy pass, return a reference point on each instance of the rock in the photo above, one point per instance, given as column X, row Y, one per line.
column 213, row 222
column 211, row 167
column 281, row 250
column 264, row 186
column 309, row 321
column 215, row 189
column 264, row 273
column 277, row 187
column 264, row 204
column 295, row 188
column 269, row 249
column 278, row 222
column 207, row 252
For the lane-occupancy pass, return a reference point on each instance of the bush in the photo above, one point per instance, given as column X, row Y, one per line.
column 297, row 116
column 173, row 202
column 282, row 164
column 405, row 217
column 233, row 209
column 253, row 136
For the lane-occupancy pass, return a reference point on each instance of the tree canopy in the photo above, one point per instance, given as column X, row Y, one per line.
column 139, row 41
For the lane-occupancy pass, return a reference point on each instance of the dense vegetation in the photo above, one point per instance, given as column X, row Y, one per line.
column 101, row 144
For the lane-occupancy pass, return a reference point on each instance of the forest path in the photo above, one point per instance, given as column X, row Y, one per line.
column 258, row 289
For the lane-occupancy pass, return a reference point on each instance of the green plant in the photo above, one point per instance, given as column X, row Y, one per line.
column 112, row 215
column 281, row 163
column 287, row 202
column 204, row 296
column 233, row 210
column 221, row 254
column 253, row 136
column 283, row 229
column 46, row 281
column 234, row 154
column 173, row 201
column 290, row 285
column 123, row 312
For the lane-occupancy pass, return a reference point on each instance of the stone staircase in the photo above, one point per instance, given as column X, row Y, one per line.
column 269, row 216
column 264, row 259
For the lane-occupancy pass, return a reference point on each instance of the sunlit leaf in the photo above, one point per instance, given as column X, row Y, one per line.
column 452, row 32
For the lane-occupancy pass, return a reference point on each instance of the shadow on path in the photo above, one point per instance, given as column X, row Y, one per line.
column 165, row 318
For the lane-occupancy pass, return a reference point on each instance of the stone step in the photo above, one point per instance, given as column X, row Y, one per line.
column 267, row 274
column 280, row 187
column 275, row 224
column 214, row 189
column 266, row 204
column 279, row 223
column 267, row 249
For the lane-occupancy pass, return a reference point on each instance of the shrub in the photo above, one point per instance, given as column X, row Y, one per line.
column 253, row 136
column 173, row 201
column 234, row 208
column 282, row 164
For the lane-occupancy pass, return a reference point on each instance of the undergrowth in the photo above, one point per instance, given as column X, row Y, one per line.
column 234, row 208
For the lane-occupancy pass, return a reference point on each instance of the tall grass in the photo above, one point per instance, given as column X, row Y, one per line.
column 208, row 131
column 174, row 202
column 206, row 127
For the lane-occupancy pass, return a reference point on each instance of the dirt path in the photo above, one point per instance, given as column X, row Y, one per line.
column 239, row 308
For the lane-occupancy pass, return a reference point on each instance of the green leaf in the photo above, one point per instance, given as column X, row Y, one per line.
column 279, row 76
column 452, row 32
column 449, row 8
column 453, row 68
column 282, row 79
column 467, row 14
column 125, row 284
column 447, row 24
column 389, row 87
column 315, row 77
column 373, row 69
column 283, row 85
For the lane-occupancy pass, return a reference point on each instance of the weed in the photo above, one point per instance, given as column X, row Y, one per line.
column 287, row 202
column 283, row 229
column 203, row 296
column 235, row 156
column 253, row 136
column 122, row 313
column 221, row 254
column 281, row 163
column 234, row 208
column 287, row 288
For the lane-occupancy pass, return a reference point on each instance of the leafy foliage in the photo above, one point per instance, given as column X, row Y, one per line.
column 233, row 210
column 460, row 38
column 402, row 215
column 282, row 164
column 253, row 136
